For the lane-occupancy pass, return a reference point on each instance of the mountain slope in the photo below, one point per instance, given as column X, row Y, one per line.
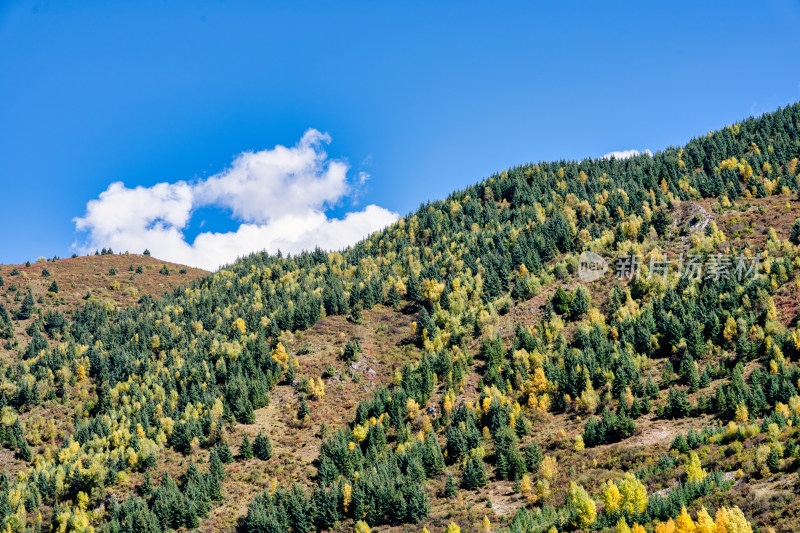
column 502, row 387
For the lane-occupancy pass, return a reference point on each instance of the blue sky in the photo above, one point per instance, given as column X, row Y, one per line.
column 423, row 97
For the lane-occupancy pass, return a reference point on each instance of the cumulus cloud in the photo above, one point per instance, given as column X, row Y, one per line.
column 280, row 196
column 625, row 154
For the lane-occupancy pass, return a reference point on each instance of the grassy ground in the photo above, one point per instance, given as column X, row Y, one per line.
column 79, row 275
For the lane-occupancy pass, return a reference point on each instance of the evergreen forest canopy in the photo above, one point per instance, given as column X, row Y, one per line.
column 178, row 371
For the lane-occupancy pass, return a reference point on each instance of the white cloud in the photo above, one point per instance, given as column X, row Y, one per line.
column 266, row 185
column 279, row 195
column 120, row 210
column 625, row 154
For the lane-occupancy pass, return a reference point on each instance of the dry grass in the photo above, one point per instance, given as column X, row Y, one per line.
column 76, row 276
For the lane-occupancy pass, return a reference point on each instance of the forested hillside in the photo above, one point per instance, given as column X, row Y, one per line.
column 451, row 371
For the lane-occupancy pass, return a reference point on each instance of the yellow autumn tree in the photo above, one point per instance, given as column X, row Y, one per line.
column 549, row 467
column 581, row 505
column 634, row 494
column 525, row 485
column 731, row 330
column 448, row 404
column 731, row 520
column 721, row 520
column 704, row 523
column 432, row 290
column 347, row 496
column 611, row 497
column 665, row 527
column 280, row 356
column 452, row 527
column 316, row 388
column 622, row 526
column 82, row 500
column 360, row 431
column 694, row 470
column 684, row 523
column 742, row 414
column 589, row 399
column 239, row 325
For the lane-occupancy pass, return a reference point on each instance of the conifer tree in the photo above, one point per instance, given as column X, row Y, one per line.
column 689, row 372
column 27, row 307
column 224, row 452
column 450, row 488
column 133, row 516
column 667, row 374
column 474, row 476
column 561, row 301
column 246, row 449
column 393, row 296
column 303, row 411
column 679, row 443
column 432, row 458
column 262, row 447
column 795, row 234
column 6, row 327
column 103, row 398
column 580, row 303
column 773, row 460
column 146, row 488
column 215, row 466
column 413, row 290
column 416, row 500
column 533, row 456
column 24, row 451
column 661, row 222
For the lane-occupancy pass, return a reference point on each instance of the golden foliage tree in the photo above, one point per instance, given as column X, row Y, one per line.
column 694, row 470
column 611, row 497
column 634, row 494
column 239, row 325
column 452, row 527
column 280, row 356
column 704, row 523
column 665, row 527
column 684, row 523
column 581, row 505
column 731, row 520
column 549, row 468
